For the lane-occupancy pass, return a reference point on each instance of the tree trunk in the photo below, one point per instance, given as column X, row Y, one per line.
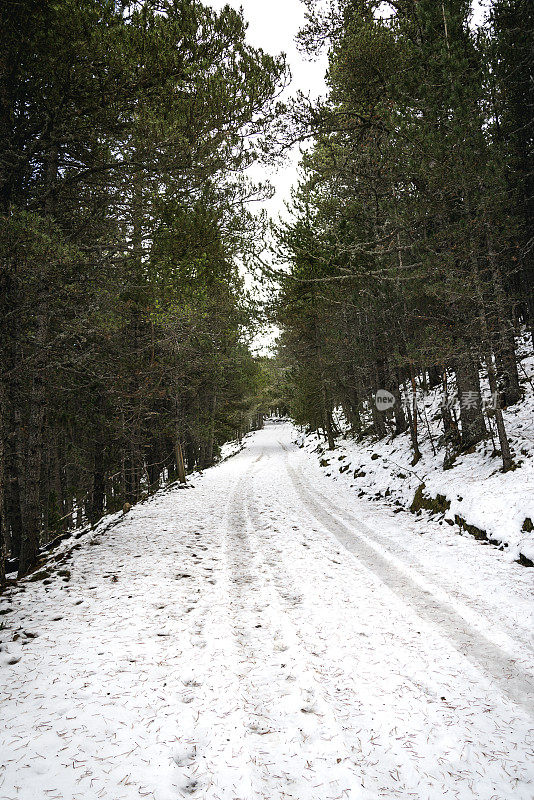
column 329, row 430
column 3, row 518
column 450, row 428
column 434, row 376
column 492, row 375
column 327, row 418
column 48, row 500
column 506, row 455
column 353, row 417
column 468, row 385
column 401, row 423
column 508, row 377
column 98, row 494
column 31, row 506
column 412, row 417
column 211, row 439
column 180, row 466
column 377, row 416
column 13, row 494
column 505, row 348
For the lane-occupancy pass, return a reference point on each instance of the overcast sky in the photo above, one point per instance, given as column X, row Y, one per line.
column 273, row 25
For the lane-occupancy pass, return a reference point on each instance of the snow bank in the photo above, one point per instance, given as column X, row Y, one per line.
column 474, row 488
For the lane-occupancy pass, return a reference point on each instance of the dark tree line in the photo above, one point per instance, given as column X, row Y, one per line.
column 410, row 249
column 124, row 130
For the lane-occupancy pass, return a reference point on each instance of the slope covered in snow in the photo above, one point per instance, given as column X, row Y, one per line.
column 473, row 491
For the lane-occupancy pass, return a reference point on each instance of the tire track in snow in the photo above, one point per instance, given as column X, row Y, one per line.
column 365, row 740
column 467, row 606
column 298, row 738
column 211, row 749
column 480, row 651
column 371, row 694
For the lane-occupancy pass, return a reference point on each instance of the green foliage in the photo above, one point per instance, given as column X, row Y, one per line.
column 125, row 132
column 405, row 239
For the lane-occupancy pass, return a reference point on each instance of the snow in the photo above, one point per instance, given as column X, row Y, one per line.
column 475, row 486
column 268, row 634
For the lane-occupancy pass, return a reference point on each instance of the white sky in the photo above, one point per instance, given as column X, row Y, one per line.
column 273, row 25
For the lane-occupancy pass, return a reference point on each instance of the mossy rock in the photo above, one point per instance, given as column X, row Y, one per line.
column 437, row 505
column 478, row 533
column 527, row 525
column 449, row 462
column 441, row 504
column 417, row 502
column 40, row 575
column 374, row 456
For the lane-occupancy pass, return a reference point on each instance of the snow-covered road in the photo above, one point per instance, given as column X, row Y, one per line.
column 268, row 635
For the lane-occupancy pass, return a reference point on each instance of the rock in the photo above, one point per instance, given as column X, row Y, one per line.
column 438, row 504
column 40, row 575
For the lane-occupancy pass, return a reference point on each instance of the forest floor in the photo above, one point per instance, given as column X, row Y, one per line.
column 268, row 634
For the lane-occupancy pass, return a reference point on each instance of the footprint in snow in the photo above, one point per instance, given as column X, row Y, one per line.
column 183, row 755
column 10, row 660
column 260, row 730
